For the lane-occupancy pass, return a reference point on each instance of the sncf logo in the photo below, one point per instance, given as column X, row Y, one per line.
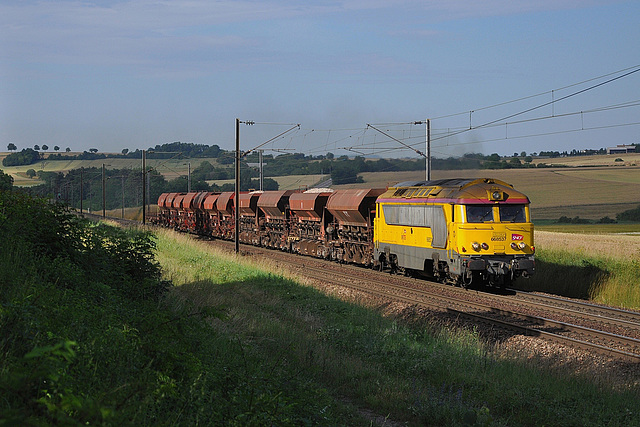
column 517, row 237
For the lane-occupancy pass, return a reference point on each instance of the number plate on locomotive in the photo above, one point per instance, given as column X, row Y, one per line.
column 499, row 237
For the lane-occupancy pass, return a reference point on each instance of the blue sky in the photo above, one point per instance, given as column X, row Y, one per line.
column 133, row 74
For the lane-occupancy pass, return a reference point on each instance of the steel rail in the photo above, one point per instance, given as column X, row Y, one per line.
column 424, row 297
column 612, row 315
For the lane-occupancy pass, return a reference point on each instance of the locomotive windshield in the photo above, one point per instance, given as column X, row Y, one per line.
column 479, row 213
column 512, row 213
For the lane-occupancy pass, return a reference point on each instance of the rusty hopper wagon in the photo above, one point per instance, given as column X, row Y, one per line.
column 210, row 216
column 351, row 233
column 249, row 217
column 275, row 206
column 309, row 222
column 189, row 207
column 225, row 208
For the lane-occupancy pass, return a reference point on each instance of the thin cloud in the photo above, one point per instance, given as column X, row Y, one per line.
column 119, row 32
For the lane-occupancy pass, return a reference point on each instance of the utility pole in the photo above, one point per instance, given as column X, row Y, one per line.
column 81, row 192
column 104, row 197
column 237, row 194
column 261, row 170
column 428, row 160
column 239, row 155
column 122, row 181
column 189, row 179
column 144, row 187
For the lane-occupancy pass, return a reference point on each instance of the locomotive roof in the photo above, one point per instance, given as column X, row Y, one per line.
column 456, row 190
column 450, row 182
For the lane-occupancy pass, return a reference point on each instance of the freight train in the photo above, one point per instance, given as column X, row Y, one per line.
column 467, row 232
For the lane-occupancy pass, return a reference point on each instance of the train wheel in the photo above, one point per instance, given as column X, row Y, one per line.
column 393, row 263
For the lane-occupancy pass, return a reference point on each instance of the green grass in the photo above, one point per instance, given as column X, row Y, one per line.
column 88, row 336
column 417, row 372
column 600, row 279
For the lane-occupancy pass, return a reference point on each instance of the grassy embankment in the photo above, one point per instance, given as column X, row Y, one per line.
column 604, row 268
column 89, row 337
column 421, row 373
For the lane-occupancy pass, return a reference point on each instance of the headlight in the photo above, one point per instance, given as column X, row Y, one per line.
column 485, row 246
column 522, row 245
column 475, row 246
column 496, row 195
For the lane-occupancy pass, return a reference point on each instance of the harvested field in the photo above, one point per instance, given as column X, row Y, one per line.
column 625, row 247
column 590, row 193
column 629, row 159
column 291, row 182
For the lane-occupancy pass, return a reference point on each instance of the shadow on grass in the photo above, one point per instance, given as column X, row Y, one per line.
column 573, row 281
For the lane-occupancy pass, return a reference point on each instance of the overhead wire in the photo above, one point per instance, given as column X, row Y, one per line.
column 365, row 142
column 636, row 67
column 546, row 103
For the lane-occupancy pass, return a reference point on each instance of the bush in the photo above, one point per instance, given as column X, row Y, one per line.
column 574, row 220
column 629, row 215
column 74, row 297
column 6, row 181
column 606, row 220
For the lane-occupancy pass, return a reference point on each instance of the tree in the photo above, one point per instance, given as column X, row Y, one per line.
column 36, row 147
column 25, row 157
column 523, row 154
column 93, row 150
column 45, row 147
column 68, row 150
column 12, row 147
column 125, row 151
column 56, row 148
column 31, row 173
column 6, row 182
column 344, row 173
column 629, row 215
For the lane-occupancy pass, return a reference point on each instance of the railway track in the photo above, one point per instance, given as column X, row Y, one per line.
column 602, row 342
column 603, row 330
column 609, row 315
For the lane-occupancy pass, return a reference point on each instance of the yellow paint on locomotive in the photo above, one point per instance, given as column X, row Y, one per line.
column 405, row 235
column 492, row 235
column 497, row 236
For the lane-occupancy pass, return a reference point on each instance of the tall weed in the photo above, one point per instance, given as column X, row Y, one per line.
column 577, row 274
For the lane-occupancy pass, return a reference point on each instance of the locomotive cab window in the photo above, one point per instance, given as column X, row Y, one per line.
column 512, row 213
column 479, row 213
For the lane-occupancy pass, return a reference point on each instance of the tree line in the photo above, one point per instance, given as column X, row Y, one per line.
column 123, row 187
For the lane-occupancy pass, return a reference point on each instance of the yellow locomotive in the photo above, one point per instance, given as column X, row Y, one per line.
column 464, row 231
